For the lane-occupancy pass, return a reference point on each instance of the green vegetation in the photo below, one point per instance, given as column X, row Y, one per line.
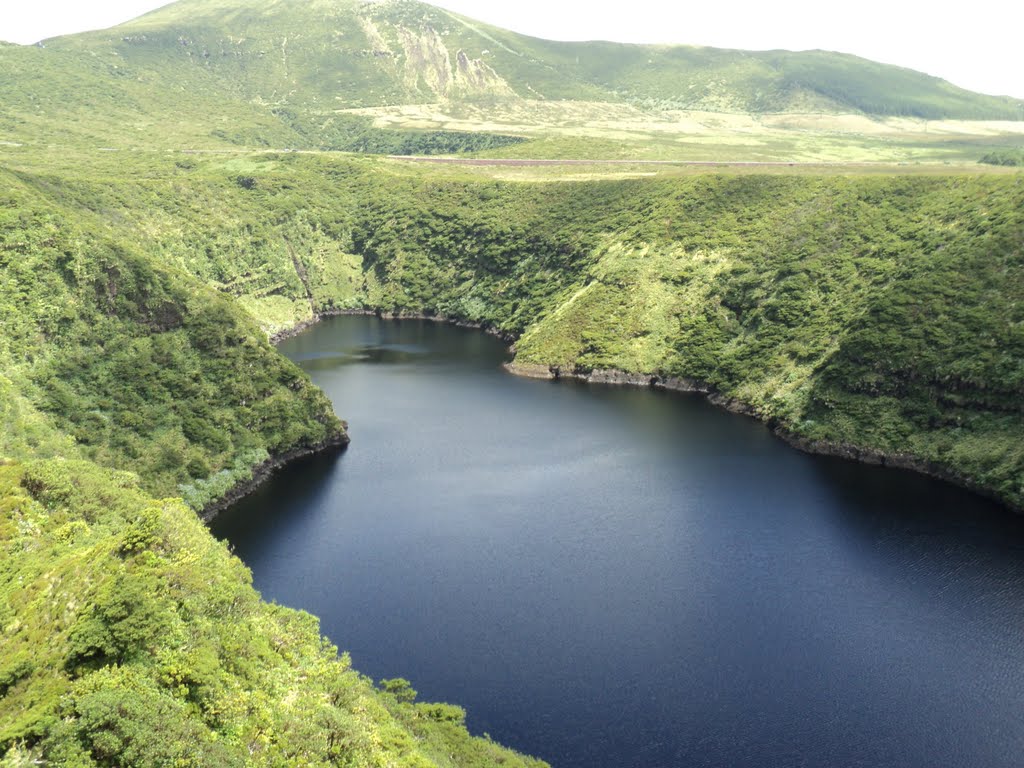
column 403, row 77
column 376, row 141
column 132, row 638
column 169, row 198
column 134, row 364
column 1010, row 157
column 878, row 312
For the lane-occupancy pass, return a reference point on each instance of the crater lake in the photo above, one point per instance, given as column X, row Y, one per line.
column 612, row 576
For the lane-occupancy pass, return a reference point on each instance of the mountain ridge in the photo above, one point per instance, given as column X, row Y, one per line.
column 278, row 74
column 779, row 70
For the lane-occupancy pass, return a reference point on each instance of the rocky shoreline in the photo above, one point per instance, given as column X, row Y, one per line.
column 818, row 447
column 262, row 472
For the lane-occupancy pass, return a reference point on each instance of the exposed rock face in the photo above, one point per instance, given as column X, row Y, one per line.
column 613, row 376
column 427, row 62
column 476, row 77
column 530, row 370
column 428, row 68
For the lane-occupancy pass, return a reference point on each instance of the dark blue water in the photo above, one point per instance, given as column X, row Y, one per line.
column 621, row 577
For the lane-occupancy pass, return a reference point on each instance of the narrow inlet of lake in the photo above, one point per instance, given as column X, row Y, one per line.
column 612, row 577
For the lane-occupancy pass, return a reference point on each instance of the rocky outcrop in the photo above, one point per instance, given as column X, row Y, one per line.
column 611, row 376
column 428, row 66
column 426, row 61
column 475, row 77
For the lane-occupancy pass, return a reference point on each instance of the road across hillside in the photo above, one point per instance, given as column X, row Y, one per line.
column 529, row 162
column 812, row 166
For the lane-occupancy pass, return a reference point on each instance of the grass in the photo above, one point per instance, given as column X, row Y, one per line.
column 217, row 75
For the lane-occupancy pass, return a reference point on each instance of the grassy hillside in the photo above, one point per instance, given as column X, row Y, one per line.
column 724, row 80
column 338, row 53
column 216, row 74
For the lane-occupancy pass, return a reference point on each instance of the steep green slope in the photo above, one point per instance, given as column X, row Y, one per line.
column 141, row 366
column 132, row 638
column 875, row 314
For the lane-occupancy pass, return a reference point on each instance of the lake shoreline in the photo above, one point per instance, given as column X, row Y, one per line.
column 517, row 524
column 264, row 470
column 859, row 454
column 399, row 315
column 609, row 376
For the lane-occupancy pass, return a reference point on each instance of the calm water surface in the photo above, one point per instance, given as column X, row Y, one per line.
column 614, row 577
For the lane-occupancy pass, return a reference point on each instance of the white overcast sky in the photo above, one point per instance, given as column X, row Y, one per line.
column 977, row 45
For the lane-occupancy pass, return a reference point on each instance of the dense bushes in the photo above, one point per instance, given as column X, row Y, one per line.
column 1009, row 157
column 142, row 366
column 133, row 638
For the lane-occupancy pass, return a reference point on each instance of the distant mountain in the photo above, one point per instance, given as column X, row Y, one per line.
column 277, row 72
